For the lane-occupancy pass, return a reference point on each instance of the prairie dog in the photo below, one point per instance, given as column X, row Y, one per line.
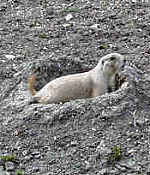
column 82, row 85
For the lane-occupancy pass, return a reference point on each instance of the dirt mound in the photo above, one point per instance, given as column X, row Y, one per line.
column 104, row 135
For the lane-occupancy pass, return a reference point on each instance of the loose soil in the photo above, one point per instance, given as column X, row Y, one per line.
column 104, row 135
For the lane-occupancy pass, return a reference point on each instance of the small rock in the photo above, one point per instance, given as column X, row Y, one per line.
column 141, row 122
column 101, row 145
column 114, row 171
column 9, row 166
column 35, row 169
column 95, row 26
column 3, row 6
column 74, row 143
column 131, row 163
column 10, row 57
column 27, row 158
column 103, row 171
column 122, row 168
column 131, row 151
column 36, row 154
column 2, row 162
column 148, row 169
column 104, row 150
column 50, row 11
column 25, row 152
column 2, row 172
column 88, row 165
column 66, row 25
column 69, row 17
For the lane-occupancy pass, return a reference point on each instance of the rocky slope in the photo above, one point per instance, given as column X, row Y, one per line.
column 105, row 135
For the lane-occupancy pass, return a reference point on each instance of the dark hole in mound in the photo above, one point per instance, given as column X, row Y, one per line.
column 119, row 81
column 47, row 71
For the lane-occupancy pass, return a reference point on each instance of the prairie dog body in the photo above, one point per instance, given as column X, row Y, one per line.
column 82, row 85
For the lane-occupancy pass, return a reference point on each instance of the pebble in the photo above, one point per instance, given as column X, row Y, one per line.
column 50, row 11
column 2, row 172
column 10, row 57
column 69, row 17
column 131, row 151
column 9, row 166
column 95, row 26
column 103, row 171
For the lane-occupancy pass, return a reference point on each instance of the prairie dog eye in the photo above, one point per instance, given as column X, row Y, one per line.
column 112, row 58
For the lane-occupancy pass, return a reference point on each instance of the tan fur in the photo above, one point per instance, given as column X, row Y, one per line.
column 82, row 85
column 31, row 83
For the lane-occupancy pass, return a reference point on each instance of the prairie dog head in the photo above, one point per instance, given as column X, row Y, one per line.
column 112, row 63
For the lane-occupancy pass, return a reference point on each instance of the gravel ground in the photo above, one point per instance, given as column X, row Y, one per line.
column 104, row 135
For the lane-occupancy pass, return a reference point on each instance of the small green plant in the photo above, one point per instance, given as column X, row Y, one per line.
column 42, row 35
column 105, row 3
column 131, row 24
column 103, row 46
column 19, row 172
column 8, row 158
column 69, row 10
column 116, row 154
column 116, row 150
